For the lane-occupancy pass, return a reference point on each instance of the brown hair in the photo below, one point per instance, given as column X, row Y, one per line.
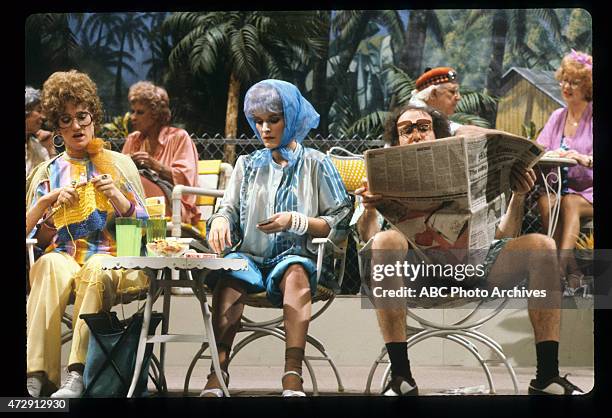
column 153, row 96
column 63, row 87
column 440, row 123
column 574, row 69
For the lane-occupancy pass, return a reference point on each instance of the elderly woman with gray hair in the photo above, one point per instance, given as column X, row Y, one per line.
column 38, row 142
column 278, row 199
column 165, row 155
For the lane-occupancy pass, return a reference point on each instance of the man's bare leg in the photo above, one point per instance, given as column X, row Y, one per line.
column 534, row 255
column 392, row 319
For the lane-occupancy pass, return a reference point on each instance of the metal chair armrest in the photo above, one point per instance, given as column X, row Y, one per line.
column 326, row 241
column 30, row 243
column 339, row 255
column 177, row 192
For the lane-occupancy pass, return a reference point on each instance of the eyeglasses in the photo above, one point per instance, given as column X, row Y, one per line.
column 573, row 84
column 422, row 125
column 83, row 119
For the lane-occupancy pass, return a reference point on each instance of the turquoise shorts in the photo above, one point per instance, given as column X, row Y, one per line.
column 258, row 279
column 494, row 250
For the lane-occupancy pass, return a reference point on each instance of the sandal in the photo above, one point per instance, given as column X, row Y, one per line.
column 287, row 393
column 215, row 392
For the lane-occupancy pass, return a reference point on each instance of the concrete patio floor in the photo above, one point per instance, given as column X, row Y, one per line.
column 265, row 380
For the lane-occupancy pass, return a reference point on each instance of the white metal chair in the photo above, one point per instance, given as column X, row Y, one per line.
column 273, row 327
column 464, row 332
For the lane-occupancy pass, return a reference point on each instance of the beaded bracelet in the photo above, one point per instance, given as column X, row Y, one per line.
column 299, row 223
column 129, row 212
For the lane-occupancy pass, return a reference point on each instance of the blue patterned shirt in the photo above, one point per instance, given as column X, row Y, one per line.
column 311, row 186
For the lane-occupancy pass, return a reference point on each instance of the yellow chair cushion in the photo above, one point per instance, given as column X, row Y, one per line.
column 351, row 170
column 207, row 181
column 208, row 177
column 209, row 166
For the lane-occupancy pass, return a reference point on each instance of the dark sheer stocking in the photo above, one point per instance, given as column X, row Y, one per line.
column 227, row 310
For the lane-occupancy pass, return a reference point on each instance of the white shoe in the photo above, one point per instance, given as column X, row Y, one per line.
column 215, row 392
column 34, row 385
column 72, row 386
column 289, row 393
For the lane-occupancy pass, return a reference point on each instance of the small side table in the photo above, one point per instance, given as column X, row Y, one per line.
column 554, row 176
column 163, row 266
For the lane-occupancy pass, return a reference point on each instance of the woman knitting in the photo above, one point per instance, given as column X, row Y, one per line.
column 72, row 201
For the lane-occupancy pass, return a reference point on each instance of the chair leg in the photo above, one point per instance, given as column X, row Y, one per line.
column 460, row 337
column 144, row 332
column 379, row 360
column 198, row 289
column 319, row 346
column 483, row 363
column 159, row 378
column 165, row 322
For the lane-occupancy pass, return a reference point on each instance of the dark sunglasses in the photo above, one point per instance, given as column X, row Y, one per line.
column 422, row 125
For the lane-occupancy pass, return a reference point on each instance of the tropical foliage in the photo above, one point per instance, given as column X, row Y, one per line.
column 354, row 65
column 118, row 127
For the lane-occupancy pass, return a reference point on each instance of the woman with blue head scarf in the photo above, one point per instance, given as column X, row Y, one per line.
column 279, row 199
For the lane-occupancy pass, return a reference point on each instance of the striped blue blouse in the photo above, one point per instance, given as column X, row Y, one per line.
column 311, row 186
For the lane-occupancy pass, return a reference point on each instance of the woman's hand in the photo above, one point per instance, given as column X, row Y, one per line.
column 67, row 196
column 370, row 201
column 219, row 236
column 143, row 159
column 583, row 160
column 105, row 184
column 278, row 222
column 522, row 180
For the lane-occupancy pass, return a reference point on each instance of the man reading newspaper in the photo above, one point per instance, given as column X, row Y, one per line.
column 463, row 194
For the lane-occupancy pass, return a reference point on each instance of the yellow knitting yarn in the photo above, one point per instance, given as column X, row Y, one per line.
column 90, row 199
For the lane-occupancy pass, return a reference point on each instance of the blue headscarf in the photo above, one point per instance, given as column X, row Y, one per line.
column 300, row 117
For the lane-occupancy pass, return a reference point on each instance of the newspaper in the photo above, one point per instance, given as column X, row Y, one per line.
column 449, row 193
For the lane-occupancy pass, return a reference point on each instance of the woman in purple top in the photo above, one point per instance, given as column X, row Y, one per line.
column 569, row 133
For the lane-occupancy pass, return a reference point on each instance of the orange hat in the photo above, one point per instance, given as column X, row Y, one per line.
column 435, row 76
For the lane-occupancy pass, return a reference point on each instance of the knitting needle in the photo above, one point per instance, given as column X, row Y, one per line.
column 76, row 186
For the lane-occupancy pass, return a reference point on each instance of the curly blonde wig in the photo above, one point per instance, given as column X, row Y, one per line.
column 63, row 87
column 578, row 66
column 155, row 97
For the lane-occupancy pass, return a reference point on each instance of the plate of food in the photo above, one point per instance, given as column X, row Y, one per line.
column 167, row 248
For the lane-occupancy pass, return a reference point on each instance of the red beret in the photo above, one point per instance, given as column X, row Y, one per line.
column 435, row 76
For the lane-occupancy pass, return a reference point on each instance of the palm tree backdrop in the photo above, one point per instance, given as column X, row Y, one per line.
column 246, row 45
column 354, row 65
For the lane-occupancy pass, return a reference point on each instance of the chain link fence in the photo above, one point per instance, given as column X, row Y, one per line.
column 211, row 148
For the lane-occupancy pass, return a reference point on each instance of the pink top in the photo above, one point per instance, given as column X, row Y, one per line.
column 176, row 150
column 579, row 178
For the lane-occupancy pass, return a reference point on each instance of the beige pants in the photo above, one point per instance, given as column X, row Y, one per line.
column 55, row 279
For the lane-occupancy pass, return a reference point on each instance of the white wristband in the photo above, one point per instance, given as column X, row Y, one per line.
column 299, row 223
